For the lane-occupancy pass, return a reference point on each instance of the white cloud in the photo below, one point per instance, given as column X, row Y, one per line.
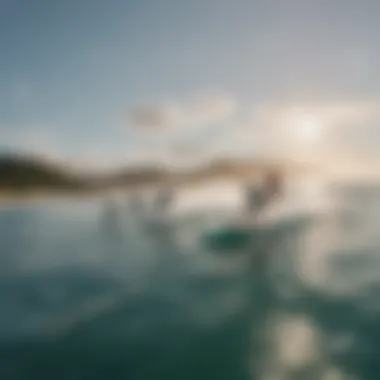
column 205, row 109
column 211, row 108
column 161, row 116
column 350, row 126
column 347, row 128
column 351, row 111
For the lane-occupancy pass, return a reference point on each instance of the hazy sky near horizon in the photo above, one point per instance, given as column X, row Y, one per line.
column 105, row 81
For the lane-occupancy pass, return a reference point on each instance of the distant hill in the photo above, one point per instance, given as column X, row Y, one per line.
column 23, row 173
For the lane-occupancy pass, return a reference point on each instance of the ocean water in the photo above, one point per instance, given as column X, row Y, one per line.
column 88, row 292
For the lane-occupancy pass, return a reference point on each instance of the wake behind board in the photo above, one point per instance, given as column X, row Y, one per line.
column 236, row 237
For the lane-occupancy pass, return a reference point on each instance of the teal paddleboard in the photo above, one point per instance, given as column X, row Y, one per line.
column 227, row 238
column 235, row 238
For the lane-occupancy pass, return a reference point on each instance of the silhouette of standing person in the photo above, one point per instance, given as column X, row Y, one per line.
column 111, row 223
column 258, row 198
column 163, row 201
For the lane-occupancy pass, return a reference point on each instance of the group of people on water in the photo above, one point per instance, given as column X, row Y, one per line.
column 257, row 197
column 160, row 203
column 257, row 200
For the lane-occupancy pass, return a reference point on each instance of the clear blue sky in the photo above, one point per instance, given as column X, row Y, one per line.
column 74, row 69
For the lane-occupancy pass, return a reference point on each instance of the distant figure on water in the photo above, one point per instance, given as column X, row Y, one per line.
column 111, row 218
column 163, row 201
column 136, row 204
column 258, row 198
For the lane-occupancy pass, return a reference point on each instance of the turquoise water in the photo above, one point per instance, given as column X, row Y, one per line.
column 89, row 294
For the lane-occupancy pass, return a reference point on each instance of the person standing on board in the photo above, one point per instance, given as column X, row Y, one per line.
column 273, row 186
column 163, row 201
column 136, row 204
column 258, row 198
